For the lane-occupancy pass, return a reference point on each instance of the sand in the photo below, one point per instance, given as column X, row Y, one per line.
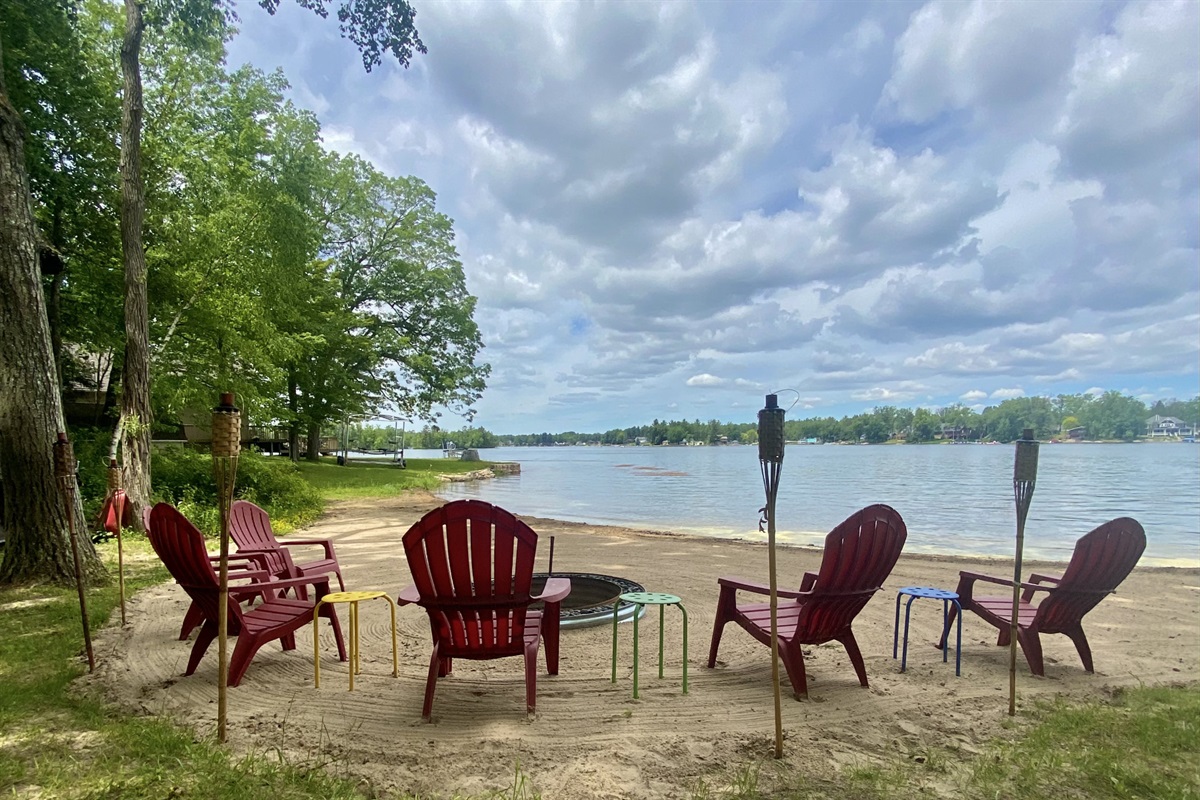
column 589, row 738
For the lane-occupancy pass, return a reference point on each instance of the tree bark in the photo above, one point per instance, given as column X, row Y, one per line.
column 38, row 545
column 314, row 442
column 135, row 381
column 294, row 422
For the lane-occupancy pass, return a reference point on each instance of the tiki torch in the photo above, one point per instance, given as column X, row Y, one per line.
column 64, row 470
column 770, row 457
column 117, row 497
column 226, row 442
column 1024, row 478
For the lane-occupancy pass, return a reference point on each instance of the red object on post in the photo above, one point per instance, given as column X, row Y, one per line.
column 472, row 567
column 859, row 556
column 181, row 548
column 1102, row 559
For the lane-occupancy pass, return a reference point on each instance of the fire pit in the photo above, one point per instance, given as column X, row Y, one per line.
column 591, row 599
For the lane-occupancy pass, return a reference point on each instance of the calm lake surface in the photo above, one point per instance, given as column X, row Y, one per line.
column 955, row 499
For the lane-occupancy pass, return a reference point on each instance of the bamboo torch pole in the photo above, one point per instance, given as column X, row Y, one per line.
column 770, row 457
column 1024, row 479
column 226, row 443
column 64, row 470
column 117, row 498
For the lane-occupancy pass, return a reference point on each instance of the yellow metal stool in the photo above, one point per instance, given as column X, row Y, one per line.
column 353, row 599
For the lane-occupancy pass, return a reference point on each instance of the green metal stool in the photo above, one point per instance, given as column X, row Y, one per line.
column 642, row 599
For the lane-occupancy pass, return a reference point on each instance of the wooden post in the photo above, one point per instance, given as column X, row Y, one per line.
column 1024, row 479
column 770, row 456
column 226, row 443
column 64, row 470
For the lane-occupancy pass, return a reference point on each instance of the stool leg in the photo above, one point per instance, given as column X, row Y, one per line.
column 896, row 628
column 636, row 613
column 904, row 654
column 945, row 619
column 353, row 642
column 395, row 652
column 316, row 646
column 616, row 607
column 684, row 611
column 662, row 609
column 958, row 644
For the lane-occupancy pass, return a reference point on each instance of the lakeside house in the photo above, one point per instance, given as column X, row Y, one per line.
column 1159, row 426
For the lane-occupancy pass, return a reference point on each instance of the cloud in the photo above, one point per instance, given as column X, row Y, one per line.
column 873, row 204
column 1007, row 394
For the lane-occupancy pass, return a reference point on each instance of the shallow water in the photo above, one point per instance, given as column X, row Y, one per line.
column 955, row 499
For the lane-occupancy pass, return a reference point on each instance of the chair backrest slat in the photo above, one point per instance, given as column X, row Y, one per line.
column 859, row 555
column 1102, row 559
column 472, row 564
column 181, row 547
column 250, row 529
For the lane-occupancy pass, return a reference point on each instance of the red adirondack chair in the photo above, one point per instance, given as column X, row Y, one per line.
column 250, row 528
column 181, row 548
column 472, row 567
column 1100, row 562
column 859, row 555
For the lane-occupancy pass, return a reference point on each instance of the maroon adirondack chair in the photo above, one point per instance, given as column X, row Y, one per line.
column 1102, row 559
column 472, row 567
column 859, row 555
column 181, row 548
column 250, row 528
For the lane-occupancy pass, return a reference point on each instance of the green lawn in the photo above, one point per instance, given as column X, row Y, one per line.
column 361, row 478
column 56, row 742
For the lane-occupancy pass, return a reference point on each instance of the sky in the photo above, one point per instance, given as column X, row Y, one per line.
column 668, row 210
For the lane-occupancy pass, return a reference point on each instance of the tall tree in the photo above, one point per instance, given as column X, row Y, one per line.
column 375, row 26
column 35, row 521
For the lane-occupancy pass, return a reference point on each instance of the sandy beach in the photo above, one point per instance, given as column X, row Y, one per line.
column 590, row 739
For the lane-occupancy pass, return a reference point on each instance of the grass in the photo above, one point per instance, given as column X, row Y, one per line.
column 60, row 742
column 1141, row 743
column 364, row 479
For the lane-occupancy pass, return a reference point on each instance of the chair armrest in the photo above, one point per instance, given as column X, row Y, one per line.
column 759, row 588
column 808, row 581
column 555, row 590
column 408, row 596
column 279, row 585
column 1036, row 578
column 257, row 575
column 325, row 543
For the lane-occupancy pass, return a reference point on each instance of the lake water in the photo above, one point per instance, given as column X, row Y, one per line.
column 955, row 499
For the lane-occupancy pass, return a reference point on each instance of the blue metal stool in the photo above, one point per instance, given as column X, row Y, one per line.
column 947, row 597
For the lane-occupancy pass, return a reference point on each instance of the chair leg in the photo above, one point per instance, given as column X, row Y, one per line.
column 1031, row 646
column 726, row 606
column 851, row 645
column 431, row 683
column 793, row 661
column 531, row 678
column 328, row 612
column 941, row 645
column 193, row 617
column 288, row 640
column 243, row 654
column 550, row 633
column 445, row 667
column 341, row 583
column 1081, row 644
column 208, row 632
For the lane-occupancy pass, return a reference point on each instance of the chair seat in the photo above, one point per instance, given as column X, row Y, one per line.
column 1001, row 609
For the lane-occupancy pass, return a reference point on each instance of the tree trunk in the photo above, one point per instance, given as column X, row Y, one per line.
column 314, row 442
column 38, row 543
column 135, row 380
column 294, row 422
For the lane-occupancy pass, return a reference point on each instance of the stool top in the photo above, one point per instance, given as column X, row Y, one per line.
column 650, row 598
column 927, row 591
column 351, row 597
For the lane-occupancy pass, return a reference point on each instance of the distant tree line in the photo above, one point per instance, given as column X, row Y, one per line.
column 1107, row 416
